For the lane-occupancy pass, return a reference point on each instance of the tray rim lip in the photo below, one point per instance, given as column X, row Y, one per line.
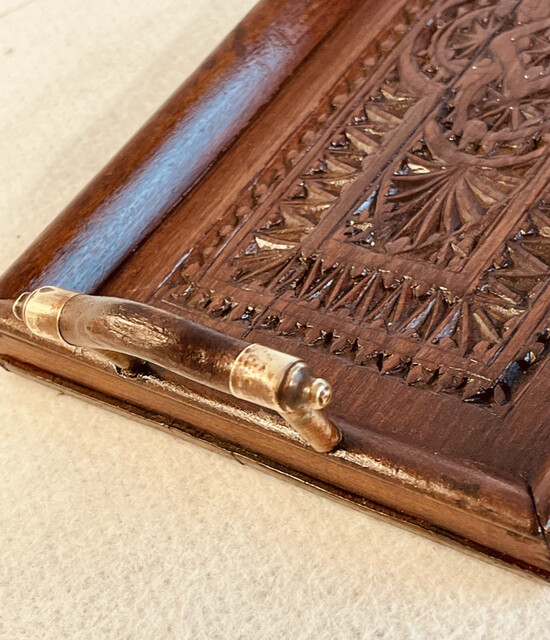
column 189, row 432
column 11, row 331
column 65, row 240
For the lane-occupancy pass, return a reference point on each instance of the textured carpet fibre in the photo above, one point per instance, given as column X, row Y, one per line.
column 109, row 529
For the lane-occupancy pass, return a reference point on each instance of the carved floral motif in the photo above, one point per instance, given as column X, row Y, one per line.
column 420, row 164
column 436, row 201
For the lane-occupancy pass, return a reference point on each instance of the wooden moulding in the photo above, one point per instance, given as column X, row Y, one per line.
column 162, row 162
column 390, row 479
column 331, row 183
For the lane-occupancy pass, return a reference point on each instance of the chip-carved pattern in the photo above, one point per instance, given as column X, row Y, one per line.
column 434, row 161
column 341, row 161
column 438, row 198
column 481, row 136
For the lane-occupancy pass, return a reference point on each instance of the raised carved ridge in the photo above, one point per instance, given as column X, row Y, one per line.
column 430, row 147
column 283, row 165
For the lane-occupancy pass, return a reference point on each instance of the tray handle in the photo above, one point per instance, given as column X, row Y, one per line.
column 252, row 372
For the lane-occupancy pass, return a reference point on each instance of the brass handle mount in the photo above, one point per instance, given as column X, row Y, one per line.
column 253, row 372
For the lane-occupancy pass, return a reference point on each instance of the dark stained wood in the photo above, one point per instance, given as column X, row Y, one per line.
column 467, row 503
column 385, row 215
column 136, row 190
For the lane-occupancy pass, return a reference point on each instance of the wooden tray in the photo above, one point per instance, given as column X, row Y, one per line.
column 368, row 189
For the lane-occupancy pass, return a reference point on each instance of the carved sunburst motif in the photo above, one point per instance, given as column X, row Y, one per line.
column 426, row 207
column 467, row 40
column 436, row 200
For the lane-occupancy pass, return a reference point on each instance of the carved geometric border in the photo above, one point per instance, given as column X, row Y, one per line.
column 378, row 310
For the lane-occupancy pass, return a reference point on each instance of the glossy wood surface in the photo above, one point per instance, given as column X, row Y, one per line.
column 380, row 209
column 167, row 156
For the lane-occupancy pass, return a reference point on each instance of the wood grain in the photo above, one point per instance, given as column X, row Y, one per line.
column 142, row 183
column 377, row 205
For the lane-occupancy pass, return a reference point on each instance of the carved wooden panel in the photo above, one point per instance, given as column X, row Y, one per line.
column 366, row 186
column 404, row 226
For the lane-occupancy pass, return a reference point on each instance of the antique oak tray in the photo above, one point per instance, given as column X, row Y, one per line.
column 365, row 186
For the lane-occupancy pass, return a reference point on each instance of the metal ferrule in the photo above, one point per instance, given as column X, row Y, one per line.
column 41, row 311
column 258, row 375
column 285, row 383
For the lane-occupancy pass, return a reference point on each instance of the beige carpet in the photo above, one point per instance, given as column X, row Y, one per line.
column 109, row 529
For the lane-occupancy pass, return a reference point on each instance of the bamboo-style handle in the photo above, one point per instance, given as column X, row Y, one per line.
column 252, row 372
